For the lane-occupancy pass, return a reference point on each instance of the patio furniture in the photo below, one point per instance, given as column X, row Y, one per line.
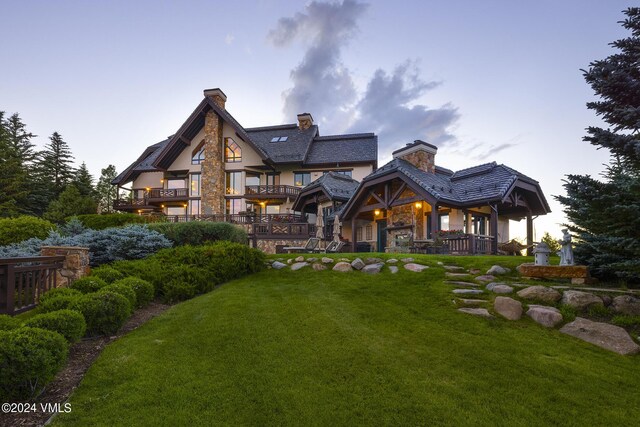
column 310, row 246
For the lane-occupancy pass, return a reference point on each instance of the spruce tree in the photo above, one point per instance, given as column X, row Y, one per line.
column 70, row 203
column 605, row 214
column 55, row 165
column 107, row 192
column 84, row 181
column 13, row 189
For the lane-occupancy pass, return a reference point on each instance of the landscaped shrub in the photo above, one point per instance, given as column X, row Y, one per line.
column 106, row 273
column 73, row 227
column 15, row 230
column 29, row 358
column 143, row 289
column 122, row 289
column 149, row 269
column 88, row 284
column 68, row 323
column 8, row 323
column 56, row 292
column 199, row 232
column 59, row 302
column 178, row 290
column 104, row 312
column 102, row 221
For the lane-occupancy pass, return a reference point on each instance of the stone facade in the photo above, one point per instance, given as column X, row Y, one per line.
column 213, row 175
column 75, row 266
column 268, row 246
column 422, row 160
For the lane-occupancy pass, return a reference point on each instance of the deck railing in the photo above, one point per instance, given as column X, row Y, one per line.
column 235, row 218
column 273, row 230
column 271, row 190
column 471, row 244
column 24, row 280
column 168, row 193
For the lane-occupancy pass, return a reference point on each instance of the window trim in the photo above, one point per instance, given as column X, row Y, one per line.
column 237, row 152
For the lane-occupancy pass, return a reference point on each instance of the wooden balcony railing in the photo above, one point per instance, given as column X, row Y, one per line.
column 267, row 191
column 471, row 244
column 23, row 280
column 168, row 193
column 129, row 203
column 235, row 218
column 274, row 230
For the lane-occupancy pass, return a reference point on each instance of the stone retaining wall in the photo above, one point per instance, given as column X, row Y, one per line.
column 75, row 266
column 269, row 246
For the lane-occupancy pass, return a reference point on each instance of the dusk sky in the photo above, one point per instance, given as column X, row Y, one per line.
column 484, row 80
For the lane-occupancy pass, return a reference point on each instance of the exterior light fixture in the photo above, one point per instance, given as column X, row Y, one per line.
column 376, row 212
column 418, row 205
column 148, row 189
column 139, row 211
column 162, row 206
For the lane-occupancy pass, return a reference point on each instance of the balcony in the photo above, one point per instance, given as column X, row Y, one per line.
column 271, row 193
column 167, row 195
column 131, row 204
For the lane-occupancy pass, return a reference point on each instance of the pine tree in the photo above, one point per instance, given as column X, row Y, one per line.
column 13, row 191
column 605, row 215
column 20, row 139
column 55, row 165
column 107, row 192
column 70, row 203
column 84, row 181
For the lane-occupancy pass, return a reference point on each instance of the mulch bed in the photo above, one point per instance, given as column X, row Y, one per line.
column 81, row 356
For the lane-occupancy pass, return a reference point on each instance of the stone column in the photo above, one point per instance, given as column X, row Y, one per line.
column 75, row 266
column 213, row 174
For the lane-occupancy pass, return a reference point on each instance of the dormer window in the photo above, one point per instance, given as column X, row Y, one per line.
column 279, row 138
column 198, row 154
column 232, row 151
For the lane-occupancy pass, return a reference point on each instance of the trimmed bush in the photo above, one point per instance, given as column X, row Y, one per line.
column 56, row 292
column 143, row 289
column 200, row 232
column 29, row 358
column 102, row 221
column 68, row 323
column 15, row 230
column 106, row 273
column 59, row 302
column 88, row 284
column 123, row 290
column 8, row 323
column 178, row 290
column 104, row 312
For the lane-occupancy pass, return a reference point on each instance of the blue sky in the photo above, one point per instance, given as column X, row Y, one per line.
column 489, row 80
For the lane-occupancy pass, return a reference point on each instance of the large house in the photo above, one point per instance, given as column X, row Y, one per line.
column 274, row 180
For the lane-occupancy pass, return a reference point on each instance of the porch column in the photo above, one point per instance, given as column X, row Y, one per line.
column 354, row 235
column 434, row 221
column 494, row 229
column 529, row 234
column 469, row 220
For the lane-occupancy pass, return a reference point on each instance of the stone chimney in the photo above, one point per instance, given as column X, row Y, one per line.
column 305, row 121
column 420, row 154
column 217, row 95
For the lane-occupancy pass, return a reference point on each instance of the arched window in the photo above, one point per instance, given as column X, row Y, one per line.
column 232, row 151
column 198, row 154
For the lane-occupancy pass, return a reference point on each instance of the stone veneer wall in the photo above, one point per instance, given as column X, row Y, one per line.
column 75, row 266
column 269, row 246
column 304, row 124
column 213, row 176
column 422, row 160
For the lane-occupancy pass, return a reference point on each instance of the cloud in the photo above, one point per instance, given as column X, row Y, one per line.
column 229, row 38
column 480, row 151
column 324, row 86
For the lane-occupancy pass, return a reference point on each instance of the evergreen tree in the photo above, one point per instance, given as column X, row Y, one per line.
column 551, row 242
column 605, row 215
column 13, row 190
column 83, row 181
column 70, row 203
column 107, row 192
column 20, row 139
column 55, row 165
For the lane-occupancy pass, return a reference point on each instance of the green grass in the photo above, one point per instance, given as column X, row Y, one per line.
column 325, row 348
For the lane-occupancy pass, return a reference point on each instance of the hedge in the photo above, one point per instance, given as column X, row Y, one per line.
column 106, row 273
column 68, row 323
column 104, row 312
column 55, row 292
column 102, row 221
column 15, row 230
column 199, row 232
column 8, row 323
column 88, row 284
column 59, row 302
column 122, row 289
column 143, row 289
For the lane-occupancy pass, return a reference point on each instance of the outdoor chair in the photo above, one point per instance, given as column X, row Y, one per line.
column 310, row 246
column 334, row 249
column 330, row 247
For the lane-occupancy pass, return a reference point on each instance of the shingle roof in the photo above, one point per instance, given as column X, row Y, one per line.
column 337, row 185
column 293, row 150
column 144, row 163
column 352, row 148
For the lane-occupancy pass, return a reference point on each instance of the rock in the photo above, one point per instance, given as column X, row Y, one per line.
column 393, row 269
column 540, row 293
column 606, row 300
column 486, row 278
column 290, row 260
column 546, row 316
column 458, row 283
column 440, row 263
column 326, row 260
column 300, row 259
column 358, row 264
column 482, row 312
column 372, row 268
column 603, row 335
column 497, row 270
column 319, row 267
column 472, row 302
column 626, row 304
column 392, row 261
column 508, row 307
column 344, row 259
column 313, row 259
column 415, row 267
column 502, row 289
column 467, row 291
column 453, row 268
column 491, row 285
column 580, row 300
column 456, row 275
column 474, row 271
column 407, row 260
column 298, row 265
column 370, row 261
column 554, row 271
column 278, row 265
column 342, row 266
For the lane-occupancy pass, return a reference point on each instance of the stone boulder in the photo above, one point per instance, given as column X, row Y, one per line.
column 603, row 335
column 502, row 289
column 298, row 265
column 372, row 268
column 370, row 261
column 492, row 285
column 497, row 270
column 626, row 304
column 459, row 283
column 482, row 312
column 318, row 267
column 300, row 259
column 508, row 308
column 540, row 293
column 456, row 275
column 471, row 302
column 467, row 291
column 453, row 268
column 393, row 269
column 290, row 261
column 342, row 266
column 326, row 260
column 486, row 278
column 312, row 259
column 392, row 261
column 415, row 267
column 407, row 260
column 278, row 265
column 546, row 316
column 358, row 264
column 580, row 300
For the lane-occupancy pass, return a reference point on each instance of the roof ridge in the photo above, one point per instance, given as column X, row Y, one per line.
column 345, row 136
column 476, row 166
column 273, row 127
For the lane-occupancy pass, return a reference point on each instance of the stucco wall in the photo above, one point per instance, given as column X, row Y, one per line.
column 148, row 180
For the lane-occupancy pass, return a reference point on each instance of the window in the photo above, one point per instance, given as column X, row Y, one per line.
column 234, row 206
column 195, row 185
column 175, row 183
column 273, row 209
column 273, row 179
column 300, row 179
column 279, row 138
column 368, row 232
column 176, row 210
column 444, row 222
column 234, row 182
column 252, row 179
column 359, row 233
column 345, row 173
column 194, row 207
column 198, row 154
column 232, row 151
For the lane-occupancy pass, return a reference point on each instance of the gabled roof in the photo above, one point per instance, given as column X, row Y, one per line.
column 352, row 148
column 334, row 185
column 144, row 163
column 293, row 150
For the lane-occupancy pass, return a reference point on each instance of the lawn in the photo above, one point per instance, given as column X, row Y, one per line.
column 326, row 348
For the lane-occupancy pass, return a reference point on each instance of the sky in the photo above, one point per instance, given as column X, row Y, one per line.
column 492, row 80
